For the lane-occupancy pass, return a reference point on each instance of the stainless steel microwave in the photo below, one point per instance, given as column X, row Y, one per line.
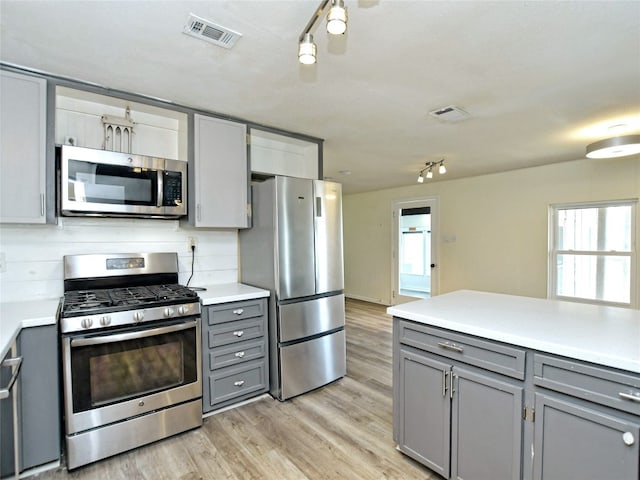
column 103, row 183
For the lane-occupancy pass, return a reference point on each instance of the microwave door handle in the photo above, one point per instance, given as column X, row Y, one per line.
column 119, row 337
column 160, row 188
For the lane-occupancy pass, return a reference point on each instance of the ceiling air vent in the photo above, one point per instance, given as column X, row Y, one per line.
column 210, row 32
column 450, row 114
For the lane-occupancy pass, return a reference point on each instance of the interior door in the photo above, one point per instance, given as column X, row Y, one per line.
column 414, row 260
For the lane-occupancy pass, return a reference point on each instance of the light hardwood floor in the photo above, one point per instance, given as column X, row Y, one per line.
column 341, row 431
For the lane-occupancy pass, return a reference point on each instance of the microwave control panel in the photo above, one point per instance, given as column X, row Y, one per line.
column 172, row 195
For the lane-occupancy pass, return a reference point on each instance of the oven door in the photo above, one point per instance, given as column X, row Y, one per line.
column 119, row 374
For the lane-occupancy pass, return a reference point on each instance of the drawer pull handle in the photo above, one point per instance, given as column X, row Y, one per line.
column 239, row 311
column 451, row 346
column 627, row 438
column 238, row 333
column 239, row 383
column 240, row 354
column 634, row 397
column 11, row 362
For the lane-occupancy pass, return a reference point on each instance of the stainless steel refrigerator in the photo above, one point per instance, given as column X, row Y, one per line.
column 294, row 249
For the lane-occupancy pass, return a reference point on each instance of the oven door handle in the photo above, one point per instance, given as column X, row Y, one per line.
column 83, row 342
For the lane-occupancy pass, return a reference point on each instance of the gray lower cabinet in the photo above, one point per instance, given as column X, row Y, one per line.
column 467, row 408
column 38, row 403
column 587, row 422
column 235, row 354
column 445, row 412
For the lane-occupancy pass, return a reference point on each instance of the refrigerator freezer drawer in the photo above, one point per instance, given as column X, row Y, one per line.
column 311, row 364
column 311, row 317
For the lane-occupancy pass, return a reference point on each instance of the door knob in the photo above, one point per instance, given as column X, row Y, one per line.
column 627, row 438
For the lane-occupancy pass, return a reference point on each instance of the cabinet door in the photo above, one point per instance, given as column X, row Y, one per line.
column 486, row 427
column 572, row 441
column 40, row 403
column 220, row 174
column 425, row 411
column 22, row 148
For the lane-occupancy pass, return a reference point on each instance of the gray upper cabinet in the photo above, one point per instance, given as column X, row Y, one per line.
column 22, row 148
column 219, row 174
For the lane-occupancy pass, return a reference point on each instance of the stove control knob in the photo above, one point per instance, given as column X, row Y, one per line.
column 138, row 316
column 182, row 310
column 105, row 321
column 86, row 322
column 167, row 312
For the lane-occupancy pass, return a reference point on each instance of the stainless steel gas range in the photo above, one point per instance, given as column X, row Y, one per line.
column 130, row 353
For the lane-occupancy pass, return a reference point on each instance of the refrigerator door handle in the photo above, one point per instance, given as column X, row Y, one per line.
column 318, row 206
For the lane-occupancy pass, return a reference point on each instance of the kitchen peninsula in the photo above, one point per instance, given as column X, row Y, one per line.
column 515, row 387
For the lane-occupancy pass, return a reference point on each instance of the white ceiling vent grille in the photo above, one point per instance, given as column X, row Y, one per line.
column 449, row 114
column 210, row 32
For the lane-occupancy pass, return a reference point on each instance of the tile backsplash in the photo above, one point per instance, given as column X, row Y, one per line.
column 32, row 267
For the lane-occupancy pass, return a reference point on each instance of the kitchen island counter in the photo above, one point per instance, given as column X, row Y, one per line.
column 14, row 316
column 608, row 336
column 230, row 292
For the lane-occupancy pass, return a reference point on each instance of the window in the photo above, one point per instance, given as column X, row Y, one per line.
column 592, row 257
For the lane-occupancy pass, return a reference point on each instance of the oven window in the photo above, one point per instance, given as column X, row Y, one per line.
column 113, row 184
column 112, row 372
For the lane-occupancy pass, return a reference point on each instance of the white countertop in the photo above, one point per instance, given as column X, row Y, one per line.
column 607, row 336
column 230, row 292
column 15, row 316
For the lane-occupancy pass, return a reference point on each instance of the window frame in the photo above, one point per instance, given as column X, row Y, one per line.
column 553, row 251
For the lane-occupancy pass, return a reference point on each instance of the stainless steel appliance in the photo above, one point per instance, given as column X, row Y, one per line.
column 103, row 183
column 294, row 249
column 130, row 353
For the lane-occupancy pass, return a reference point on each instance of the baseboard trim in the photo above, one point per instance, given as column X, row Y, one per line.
column 366, row 299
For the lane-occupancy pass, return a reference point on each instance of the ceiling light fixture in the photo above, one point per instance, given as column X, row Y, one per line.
column 614, row 147
column 336, row 25
column 429, row 166
column 307, row 50
column 337, row 18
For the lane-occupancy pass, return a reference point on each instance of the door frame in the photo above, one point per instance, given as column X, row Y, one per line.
column 396, row 206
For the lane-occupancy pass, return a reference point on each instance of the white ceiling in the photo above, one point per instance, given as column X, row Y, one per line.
column 540, row 79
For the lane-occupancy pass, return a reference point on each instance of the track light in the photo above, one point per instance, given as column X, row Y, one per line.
column 614, row 147
column 429, row 169
column 307, row 50
column 336, row 25
column 337, row 18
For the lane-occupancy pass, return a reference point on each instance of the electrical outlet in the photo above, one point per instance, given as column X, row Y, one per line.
column 192, row 243
column 3, row 262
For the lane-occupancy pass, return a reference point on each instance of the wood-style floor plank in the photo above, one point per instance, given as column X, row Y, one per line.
column 341, row 431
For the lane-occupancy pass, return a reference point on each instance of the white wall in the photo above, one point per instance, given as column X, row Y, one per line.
column 499, row 222
column 33, row 253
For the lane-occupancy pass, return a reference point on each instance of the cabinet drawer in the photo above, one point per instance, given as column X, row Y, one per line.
column 228, row 383
column 233, row 332
column 235, row 353
column 481, row 353
column 596, row 384
column 229, row 312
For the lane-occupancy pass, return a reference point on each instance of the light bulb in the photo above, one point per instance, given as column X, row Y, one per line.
column 420, row 178
column 307, row 50
column 337, row 18
column 442, row 169
column 429, row 173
